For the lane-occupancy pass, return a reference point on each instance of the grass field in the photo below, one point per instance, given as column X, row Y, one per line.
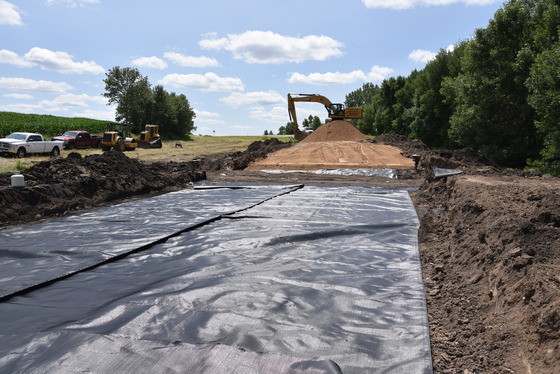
column 197, row 147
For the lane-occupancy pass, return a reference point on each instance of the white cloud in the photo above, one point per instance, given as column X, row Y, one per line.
column 277, row 115
column 266, row 47
column 66, row 101
column 377, row 74
column 450, row 48
column 61, row 62
column 191, row 61
column 238, row 99
column 12, row 58
column 421, row 55
column 74, row 3
column 209, row 82
column 202, row 113
column 150, row 62
column 328, row 78
column 24, row 84
column 21, row 108
column 9, row 14
column 209, row 118
column 407, row 4
column 18, row 96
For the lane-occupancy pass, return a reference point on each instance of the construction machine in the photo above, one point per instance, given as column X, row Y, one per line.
column 335, row 111
column 149, row 138
column 115, row 138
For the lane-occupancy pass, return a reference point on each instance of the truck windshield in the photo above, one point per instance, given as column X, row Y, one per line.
column 17, row 136
column 70, row 134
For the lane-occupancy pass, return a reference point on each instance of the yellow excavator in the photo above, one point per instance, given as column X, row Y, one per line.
column 115, row 138
column 149, row 138
column 336, row 111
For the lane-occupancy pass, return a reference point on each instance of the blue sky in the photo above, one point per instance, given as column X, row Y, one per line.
column 235, row 60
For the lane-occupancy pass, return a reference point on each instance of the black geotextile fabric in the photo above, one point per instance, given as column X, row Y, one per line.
column 266, row 279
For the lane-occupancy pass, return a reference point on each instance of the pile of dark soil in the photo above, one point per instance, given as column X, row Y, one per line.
column 490, row 251
column 240, row 160
column 59, row 186
column 63, row 186
column 465, row 158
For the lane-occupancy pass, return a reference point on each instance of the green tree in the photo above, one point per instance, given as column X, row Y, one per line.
column 290, row 128
column 491, row 112
column 315, row 123
column 183, row 115
column 544, row 85
column 131, row 92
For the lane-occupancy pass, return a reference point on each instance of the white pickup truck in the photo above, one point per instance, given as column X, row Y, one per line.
column 22, row 143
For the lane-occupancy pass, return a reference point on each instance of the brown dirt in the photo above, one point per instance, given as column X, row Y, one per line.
column 336, row 144
column 489, row 238
column 335, row 131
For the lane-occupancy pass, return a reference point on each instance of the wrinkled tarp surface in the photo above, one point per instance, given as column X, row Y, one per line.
column 385, row 173
column 266, row 279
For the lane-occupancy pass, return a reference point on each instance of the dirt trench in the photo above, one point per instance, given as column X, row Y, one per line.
column 489, row 238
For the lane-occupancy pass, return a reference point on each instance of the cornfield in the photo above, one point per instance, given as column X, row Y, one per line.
column 47, row 125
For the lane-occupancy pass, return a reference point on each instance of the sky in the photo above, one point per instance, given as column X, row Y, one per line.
column 234, row 60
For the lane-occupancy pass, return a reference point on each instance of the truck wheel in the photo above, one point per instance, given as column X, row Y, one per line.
column 71, row 146
column 21, row 152
column 55, row 152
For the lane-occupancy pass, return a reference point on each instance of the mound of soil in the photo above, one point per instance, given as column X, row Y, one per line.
column 335, row 131
column 466, row 159
column 59, row 186
column 240, row 160
column 62, row 186
column 334, row 155
column 490, row 251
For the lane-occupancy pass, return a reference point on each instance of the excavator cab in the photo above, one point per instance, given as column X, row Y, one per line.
column 335, row 110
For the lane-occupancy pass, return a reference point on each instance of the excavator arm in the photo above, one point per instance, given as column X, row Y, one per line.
column 336, row 111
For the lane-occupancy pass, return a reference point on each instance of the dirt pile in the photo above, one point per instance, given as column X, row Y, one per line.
column 335, row 131
column 466, row 159
column 335, row 145
column 59, row 186
column 240, row 160
column 62, row 186
column 490, row 250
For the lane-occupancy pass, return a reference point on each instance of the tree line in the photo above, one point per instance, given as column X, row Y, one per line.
column 497, row 93
column 138, row 104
